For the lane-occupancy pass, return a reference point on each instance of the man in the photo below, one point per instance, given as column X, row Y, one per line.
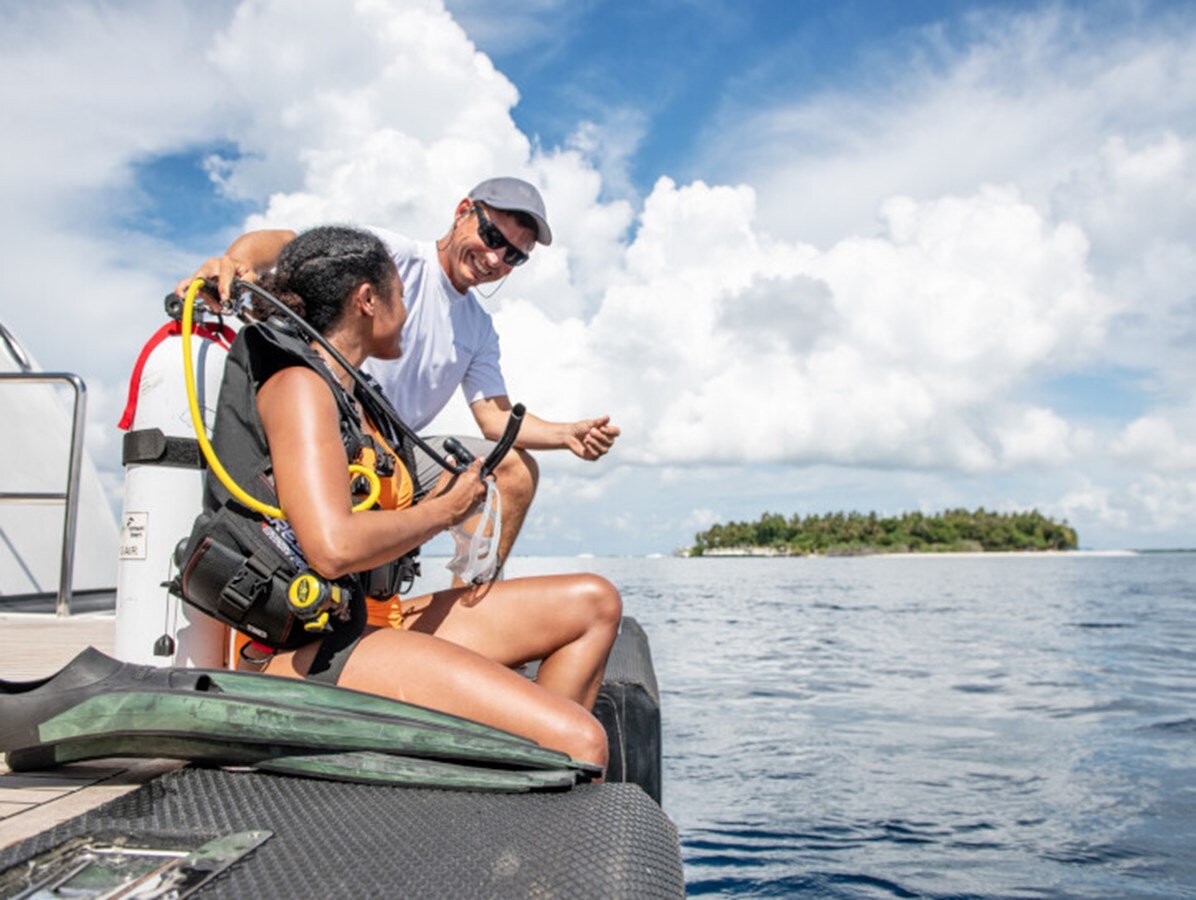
column 449, row 341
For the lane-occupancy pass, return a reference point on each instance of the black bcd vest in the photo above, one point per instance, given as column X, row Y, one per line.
column 238, row 564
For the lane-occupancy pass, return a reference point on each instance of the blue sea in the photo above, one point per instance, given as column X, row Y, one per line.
column 1020, row 726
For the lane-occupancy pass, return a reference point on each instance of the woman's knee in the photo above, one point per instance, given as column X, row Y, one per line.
column 584, row 739
column 602, row 599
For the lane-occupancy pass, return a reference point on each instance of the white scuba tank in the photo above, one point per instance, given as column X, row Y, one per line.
column 163, row 495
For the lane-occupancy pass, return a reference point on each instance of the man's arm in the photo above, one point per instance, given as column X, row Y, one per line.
column 248, row 258
column 586, row 438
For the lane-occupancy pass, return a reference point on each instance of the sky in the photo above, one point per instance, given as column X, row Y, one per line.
column 809, row 257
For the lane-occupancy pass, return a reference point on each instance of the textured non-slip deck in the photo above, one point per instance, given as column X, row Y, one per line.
column 346, row 840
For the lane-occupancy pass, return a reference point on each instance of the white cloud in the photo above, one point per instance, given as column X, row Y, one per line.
column 386, row 114
column 1093, row 503
column 702, row 518
column 1136, row 199
column 898, row 349
column 1094, row 126
column 89, row 91
column 1020, row 97
column 1150, row 505
column 1161, row 503
column 1036, row 437
column 885, row 276
column 610, row 144
column 517, row 25
column 572, row 484
column 1153, row 442
column 1093, row 121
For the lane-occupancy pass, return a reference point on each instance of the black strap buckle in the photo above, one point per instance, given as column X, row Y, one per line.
column 246, row 588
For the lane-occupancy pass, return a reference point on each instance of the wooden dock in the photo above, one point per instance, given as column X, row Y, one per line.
column 34, row 645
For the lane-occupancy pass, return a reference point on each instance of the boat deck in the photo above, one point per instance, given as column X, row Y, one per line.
column 597, row 840
column 33, row 645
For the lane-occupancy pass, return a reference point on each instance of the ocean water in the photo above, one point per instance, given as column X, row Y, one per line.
column 924, row 726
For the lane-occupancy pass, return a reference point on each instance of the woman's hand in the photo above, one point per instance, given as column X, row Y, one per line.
column 464, row 493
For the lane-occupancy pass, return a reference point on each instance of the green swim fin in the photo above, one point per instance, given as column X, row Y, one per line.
column 357, row 766
column 97, row 706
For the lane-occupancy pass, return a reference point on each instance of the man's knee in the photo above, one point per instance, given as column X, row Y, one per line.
column 518, row 474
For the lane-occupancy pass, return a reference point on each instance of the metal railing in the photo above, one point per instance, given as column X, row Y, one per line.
column 15, row 350
column 70, row 497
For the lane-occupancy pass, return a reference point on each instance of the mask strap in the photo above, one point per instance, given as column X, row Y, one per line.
column 475, row 560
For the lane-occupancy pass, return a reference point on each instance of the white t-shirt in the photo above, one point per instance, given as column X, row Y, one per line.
column 448, row 340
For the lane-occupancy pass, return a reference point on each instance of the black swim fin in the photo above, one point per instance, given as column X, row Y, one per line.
column 97, row 707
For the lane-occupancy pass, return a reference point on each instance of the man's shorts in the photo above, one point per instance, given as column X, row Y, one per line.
column 427, row 470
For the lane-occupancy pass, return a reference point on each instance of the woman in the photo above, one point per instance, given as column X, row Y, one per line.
column 453, row 650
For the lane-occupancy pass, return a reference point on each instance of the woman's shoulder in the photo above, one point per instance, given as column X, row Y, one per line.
column 295, row 390
column 298, row 377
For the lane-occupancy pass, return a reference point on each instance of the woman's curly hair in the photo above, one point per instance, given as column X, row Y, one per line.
column 317, row 271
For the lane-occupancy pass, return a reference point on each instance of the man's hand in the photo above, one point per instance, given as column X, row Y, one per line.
column 246, row 258
column 219, row 271
column 591, row 438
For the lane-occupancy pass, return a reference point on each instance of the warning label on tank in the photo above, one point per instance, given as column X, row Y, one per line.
column 133, row 535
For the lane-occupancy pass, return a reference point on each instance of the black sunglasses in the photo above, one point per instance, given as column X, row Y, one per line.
column 493, row 238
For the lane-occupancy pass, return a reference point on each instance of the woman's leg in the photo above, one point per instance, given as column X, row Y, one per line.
column 420, row 668
column 568, row 621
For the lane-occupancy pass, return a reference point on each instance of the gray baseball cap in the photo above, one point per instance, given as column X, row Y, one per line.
column 515, row 195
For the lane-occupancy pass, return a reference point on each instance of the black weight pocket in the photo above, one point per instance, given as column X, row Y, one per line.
column 242, row 583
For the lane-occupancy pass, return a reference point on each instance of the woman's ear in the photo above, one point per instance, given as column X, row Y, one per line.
column 365, row 298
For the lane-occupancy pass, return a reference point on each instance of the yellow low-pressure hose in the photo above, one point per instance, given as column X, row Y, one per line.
column 201, row 433
column 375, row 486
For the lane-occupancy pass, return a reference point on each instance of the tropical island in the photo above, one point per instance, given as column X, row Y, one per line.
column 861, row 534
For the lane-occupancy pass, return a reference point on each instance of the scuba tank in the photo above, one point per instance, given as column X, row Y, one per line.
column 164, row 477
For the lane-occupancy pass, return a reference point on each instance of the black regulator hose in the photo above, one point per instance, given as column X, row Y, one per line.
column 461, row 454
column 506, row 442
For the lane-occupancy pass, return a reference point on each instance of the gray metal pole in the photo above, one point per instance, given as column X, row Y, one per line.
column 71, row 513
column 70, row 498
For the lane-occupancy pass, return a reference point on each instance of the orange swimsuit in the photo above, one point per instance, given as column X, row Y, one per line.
column 398, row 491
